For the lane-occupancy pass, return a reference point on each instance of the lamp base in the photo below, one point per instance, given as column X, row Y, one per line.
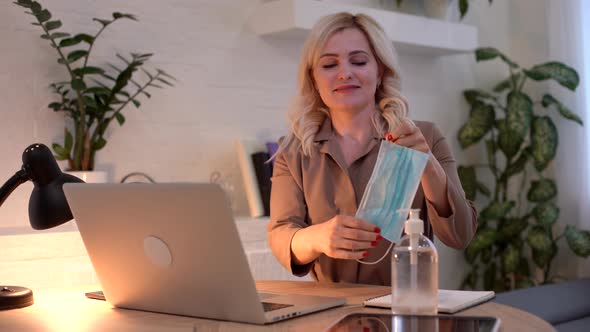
column 12, row 297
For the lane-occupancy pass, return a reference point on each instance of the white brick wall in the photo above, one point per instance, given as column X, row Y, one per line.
column 232, row 84
column 54, row 259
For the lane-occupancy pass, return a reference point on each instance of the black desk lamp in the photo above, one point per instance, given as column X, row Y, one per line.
column 48, row 206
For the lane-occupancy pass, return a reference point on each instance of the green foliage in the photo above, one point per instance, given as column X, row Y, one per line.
column 521, row 141
column 462, row 6
column 92, row 96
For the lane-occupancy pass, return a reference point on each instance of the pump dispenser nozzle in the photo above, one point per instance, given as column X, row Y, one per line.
column 413, row 228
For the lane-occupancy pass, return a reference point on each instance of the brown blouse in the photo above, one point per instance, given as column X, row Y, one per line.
column 311, row 190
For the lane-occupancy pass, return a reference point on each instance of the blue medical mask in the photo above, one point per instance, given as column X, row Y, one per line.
column 392, row 186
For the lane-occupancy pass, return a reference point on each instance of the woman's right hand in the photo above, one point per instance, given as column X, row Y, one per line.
column 342, row 237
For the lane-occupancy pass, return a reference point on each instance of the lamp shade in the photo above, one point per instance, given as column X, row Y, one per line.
column 48, row 206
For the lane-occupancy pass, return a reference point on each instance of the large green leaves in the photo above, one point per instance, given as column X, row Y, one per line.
column 523, row 137
column 24, row 3
column 82, row 37
column 517, row 166
column 99, row 144
column 539, row 239
column 42, row 15
column 484, row 238
column 546, row 214
column 116, row 16
column 578, row 241
column 509, row 83
column 512, row 227
column 542, row 245
column 542, row 190
column 463, row 7
column 549, row 100
column 474, row 95
column 511, row 259
column 468, row 181
column 63, row 152
column 88, row 71
column 543, row 257
column 497, row 210
column 489, row 53
column 78, row 84
column 52, row 25
column 75, row 55
column 120, row 118
column 481, row 120
column 515, row 127
column 543, row 142
column 561, row 73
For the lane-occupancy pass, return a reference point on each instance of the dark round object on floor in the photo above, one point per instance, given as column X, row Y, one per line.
column 12, row 297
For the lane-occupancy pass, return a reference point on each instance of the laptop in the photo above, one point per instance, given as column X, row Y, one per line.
column 174, row 248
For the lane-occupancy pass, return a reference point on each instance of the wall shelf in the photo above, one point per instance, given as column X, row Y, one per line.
column 410, row 34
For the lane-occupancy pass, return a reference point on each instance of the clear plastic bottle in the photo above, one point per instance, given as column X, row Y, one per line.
column 414, row 270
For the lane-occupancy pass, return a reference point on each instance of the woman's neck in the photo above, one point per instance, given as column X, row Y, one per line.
column 353, row 125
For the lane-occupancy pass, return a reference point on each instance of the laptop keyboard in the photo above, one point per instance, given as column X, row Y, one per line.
column 268, row 306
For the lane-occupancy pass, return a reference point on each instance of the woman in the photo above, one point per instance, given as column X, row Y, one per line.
column 348, row 101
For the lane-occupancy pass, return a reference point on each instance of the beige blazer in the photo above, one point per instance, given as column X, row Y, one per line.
column 311, row 190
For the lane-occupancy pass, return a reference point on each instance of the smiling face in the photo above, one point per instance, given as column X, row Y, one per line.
column 347, row 72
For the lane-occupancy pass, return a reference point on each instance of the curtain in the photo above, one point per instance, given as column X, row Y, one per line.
column 569, row 43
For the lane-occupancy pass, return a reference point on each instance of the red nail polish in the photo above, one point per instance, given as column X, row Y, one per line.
column 365, row 254
column 379, row 237
column 389, row 137
column 366, row 329
column 377, row 230
column 374, row 244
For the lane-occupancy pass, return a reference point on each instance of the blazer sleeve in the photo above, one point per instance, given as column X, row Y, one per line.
column 287, row 212
column 458, row 229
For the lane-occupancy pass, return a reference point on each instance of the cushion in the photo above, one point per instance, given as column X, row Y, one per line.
column 555, row 303
column 578, row 325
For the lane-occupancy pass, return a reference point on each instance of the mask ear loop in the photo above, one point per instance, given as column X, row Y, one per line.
column 380, row 259
column 382, row 323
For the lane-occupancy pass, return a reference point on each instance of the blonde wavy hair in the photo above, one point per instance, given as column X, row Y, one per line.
column 308, row 111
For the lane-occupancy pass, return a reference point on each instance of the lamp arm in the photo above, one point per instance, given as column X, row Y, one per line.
column 16, row 180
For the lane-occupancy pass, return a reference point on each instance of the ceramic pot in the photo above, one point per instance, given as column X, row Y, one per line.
column 90, row 176
column 437, row 8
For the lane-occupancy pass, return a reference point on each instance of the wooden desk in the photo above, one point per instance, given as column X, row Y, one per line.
column 70, row 310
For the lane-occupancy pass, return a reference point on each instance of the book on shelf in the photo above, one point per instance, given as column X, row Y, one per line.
column 256, row 172
column 449, row 301
column 263, row 170
column 245, row 149
column 272, row 148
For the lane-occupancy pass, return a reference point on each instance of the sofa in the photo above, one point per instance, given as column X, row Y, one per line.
column 565, row 305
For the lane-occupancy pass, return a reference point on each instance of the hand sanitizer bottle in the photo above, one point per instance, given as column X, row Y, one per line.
column 414, row 270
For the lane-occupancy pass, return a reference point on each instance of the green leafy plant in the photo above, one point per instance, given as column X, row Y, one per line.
column 462, row 5
column 520, row 142
column 92, row 97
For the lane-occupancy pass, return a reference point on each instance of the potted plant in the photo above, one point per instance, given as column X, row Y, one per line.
column 519, row 222
column 93, row 97
column 438, row 8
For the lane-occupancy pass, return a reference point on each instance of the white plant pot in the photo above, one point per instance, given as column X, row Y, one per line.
column 359, row 3
column 90, row 176
column 437, row 8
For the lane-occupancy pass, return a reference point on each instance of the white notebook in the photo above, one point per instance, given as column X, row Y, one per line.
column 449, row 301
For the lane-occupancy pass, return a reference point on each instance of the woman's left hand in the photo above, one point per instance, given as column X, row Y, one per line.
column 410, row 136
column 434, row 178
